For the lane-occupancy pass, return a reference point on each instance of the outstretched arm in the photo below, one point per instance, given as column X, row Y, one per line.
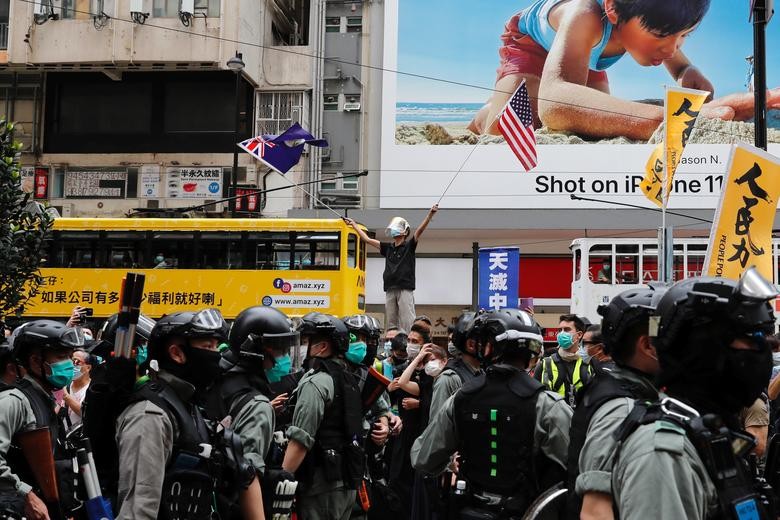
column 425, row 222
column 362, row 234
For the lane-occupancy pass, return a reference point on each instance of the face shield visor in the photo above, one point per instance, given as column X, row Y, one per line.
column 397, row 227
column 72, row 337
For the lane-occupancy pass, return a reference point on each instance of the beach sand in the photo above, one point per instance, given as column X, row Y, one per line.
column 713, row 131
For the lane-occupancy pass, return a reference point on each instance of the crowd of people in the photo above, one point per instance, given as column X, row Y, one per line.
column 658, row 412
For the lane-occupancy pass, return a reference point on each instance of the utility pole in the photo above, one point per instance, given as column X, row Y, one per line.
column 760, row 13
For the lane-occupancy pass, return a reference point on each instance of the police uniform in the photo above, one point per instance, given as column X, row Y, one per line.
column 550, row 434
column 450, row 380
column 602, row 415
column 16, row 415
column 656, row 458
column 254, row 424
column 319, row 497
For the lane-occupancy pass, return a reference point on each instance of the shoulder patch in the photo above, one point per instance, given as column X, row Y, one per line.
column 668, row 437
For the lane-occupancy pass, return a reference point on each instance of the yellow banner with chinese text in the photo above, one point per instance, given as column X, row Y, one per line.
column 681, row 109
column 741, row 234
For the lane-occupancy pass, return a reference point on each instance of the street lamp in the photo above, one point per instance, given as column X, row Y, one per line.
column 236, row 64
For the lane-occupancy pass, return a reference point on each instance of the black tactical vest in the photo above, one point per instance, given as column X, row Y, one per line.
column 495, row 417
column 189, row 487
column 600, row 389
column 460, row 367
column 338, row 446
column 232, row 391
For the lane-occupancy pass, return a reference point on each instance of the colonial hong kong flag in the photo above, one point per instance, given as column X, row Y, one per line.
column 517, row 126
column 281, row 152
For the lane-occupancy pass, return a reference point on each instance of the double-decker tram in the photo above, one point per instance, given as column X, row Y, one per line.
column 604, row 267
column 296, row 265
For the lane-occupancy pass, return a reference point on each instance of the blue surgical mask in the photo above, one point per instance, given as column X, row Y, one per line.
column 282, row 367
column 141, row 354
column 76, row 372
column 395, row 232
column 356, row 352
column 388, row 348
column 565, row 339
column 61, row 373
column 583, row 352
column 158, row 259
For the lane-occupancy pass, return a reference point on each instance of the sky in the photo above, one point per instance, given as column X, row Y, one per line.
column 455, row 40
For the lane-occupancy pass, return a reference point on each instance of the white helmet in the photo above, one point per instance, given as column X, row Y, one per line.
column 397, row 227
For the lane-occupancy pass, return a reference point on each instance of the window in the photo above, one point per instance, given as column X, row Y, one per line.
column 333, row 24
column 79, row 9
column 210, row 7
column 285, row 251
column 219, row 251
column 317, row 251
column 696, row 254
column 351, row 250
column 627, row 258
column 330, row 102
column 290, row 22
column 601, row 268
column 354, row 24
column 277, row 111
column 122, row 249
column 649, row 263
column 577, row 261
column 172, row 250
column 333, row 181
column 73, row 249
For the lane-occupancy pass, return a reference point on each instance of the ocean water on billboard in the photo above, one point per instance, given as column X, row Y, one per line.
column 436, row 112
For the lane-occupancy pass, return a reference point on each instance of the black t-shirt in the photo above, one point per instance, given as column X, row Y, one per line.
column 399, row 264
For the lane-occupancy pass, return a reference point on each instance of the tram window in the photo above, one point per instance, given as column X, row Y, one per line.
column 678, row 271
column 122, row 249
column 649, row 263
column 600, row 263
column 219, row 251
column 74, row 249
column 172, row 250
column 317, row 251
column 351, row 250
column 265, row 250
column 696, row 254
column 362, row 262
column 627, row 268
column 577, row 261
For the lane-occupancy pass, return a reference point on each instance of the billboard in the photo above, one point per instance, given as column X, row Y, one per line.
column 445, row 61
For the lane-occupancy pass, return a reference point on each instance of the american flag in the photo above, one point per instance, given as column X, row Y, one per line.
column 517, row 126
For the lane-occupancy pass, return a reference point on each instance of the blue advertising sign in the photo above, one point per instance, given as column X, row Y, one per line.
column 499, row 277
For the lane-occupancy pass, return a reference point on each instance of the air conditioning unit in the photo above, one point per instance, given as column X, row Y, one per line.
column 351, row 107
column 187, row 7
column 137, row 11
column 67, row 209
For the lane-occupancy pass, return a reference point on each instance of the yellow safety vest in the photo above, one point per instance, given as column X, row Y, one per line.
column 552, row 379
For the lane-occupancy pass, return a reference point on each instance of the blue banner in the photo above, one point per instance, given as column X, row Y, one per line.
column 499, row 277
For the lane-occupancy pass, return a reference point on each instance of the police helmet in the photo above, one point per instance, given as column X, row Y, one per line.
column 716, row 304
column 510, row 332
column 207, row 323
column 363, row 324
column 626, row 310
column 259, row 329
column 143, row 330
column 326, row 325
column 46, row 335
column 462, row 329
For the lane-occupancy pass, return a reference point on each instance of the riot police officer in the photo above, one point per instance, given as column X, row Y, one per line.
column 325, row 438
column 460, row 369
column 681, row 457
column 43, row 348
column 162, row 423
column 607, row 398
column 260, row 342
column 511, row 433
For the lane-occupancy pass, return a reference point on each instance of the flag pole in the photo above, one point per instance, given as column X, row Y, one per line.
column 460, row 168
column 310, row 194
column 665, row 194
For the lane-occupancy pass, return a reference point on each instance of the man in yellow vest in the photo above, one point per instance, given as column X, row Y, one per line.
column 566, row 370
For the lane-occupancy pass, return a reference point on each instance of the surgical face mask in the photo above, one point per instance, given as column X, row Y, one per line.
column 282, row 367
column 606, row 267
column 412, row 350
column 452, row 349
column 583, row 352
column 433, row 367
column 77, row 372
column 356, row 352
column 776, row 358
column 158, row 259
column 388, row 348
column 61, row 373
column 395, row 232
column 565, row 339
column 141, row 354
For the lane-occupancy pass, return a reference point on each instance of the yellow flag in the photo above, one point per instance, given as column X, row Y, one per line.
column 681, row 107
column 741, row 233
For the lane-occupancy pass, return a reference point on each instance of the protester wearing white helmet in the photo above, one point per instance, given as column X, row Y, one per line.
column 399, row 281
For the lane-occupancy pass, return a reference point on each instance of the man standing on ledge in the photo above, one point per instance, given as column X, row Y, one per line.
column 399, row 268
